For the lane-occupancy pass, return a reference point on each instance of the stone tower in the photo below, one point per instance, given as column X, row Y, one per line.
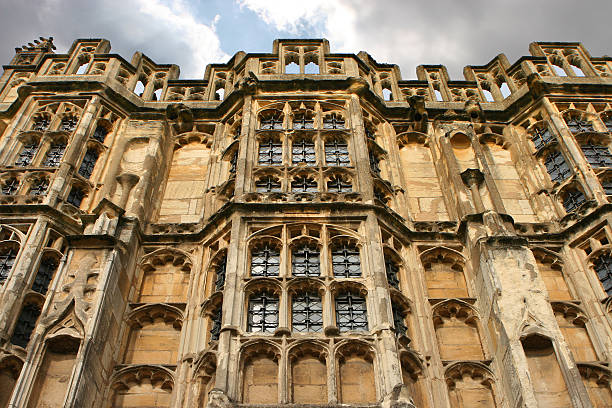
column 303, row 227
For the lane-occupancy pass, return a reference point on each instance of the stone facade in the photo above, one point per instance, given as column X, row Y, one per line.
column 303, row 227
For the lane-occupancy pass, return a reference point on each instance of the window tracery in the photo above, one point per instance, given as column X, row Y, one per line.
column 39, row 187
column 596, row 155
column 603, row 268
column 75, row 197
column 54, row 155
column 305, row 261
column 262, row 313
column 100, row 134
column 268, row 184
column 557, row 167
column 270, row 152
column 336, row 153
column 572, row 200
column 303, row 151
column 304, row 184
column 346, row 262
column 541, row 137
column 265, row 261
column 25, row 325
column 339, row 184
column 10, row 186
column 351, row 312
column 333, row 121
column 28, row 151
column 44, row 275
column 7, row 260
column 307, row 313
column 577, row 125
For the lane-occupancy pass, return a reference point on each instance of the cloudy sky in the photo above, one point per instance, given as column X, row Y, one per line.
column 193, row 33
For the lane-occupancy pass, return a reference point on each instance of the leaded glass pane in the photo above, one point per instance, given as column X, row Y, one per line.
column 215, row 329
column 263, row 313
column 557, row 167
column 333, row 122
column 346, row 262
column 573, row 200
column 40, row 187
column 233, row 161
column 265, row 261
column 88, row 164
column 25, row 325
column 303, row 122
column 603, row 267
column 596, row 155
column 607, row 186
column 336, row 153
column 338, row 184
column 220, row 273
column 69, row 124
column 305, row 262
column 100, row 134
column 10, row 186
column 45, row 273
column 267, row 184
column 75, row 197
column 270, row 153
column 41, row 124
column 399, row 321
column 303, row 151
column 392, row 271
column 273, row 122
column 303, row 185
column 7, row 259
column 54, row 155
column 374, row 163
column 579, row 126
column 26, row 155
column 541, row 137
column 351, row 313
column 307, row 313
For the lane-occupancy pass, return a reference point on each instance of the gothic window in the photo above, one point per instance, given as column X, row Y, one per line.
column 303, row 184
column 268, row 184
column 607, row 186
column 333, row 121
column 303, row 151
column 54, row 155
column 305, row 261
column 10, row 186
column 28, row 151
column 579, row 126
column 596, row 155
column 272, row 123
column 541, row 137
column 573, row 200
column 100, row 134
column 557, row 167
column 7, row 259
column 220, row 273
column 399, row 320
column 336, row 153
column 307, row 313
column 345, row 261
column 303, row 122
column 25, row 325
column 265, row 261
column 69, row 124
column 603, row 267
column 75, row 197
column 233, row 161
column 351, row 313
column 215, row 328
column 270, row 152
column 263, row 313
column 374, row 163
column 41, row 124
column 392, row 271
column 39, row 187
column 339, row 184
column 88, row 163
column 45, row 273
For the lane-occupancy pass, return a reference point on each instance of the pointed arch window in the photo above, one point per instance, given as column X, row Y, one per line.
column 39, row 188
column 75, row 197
column 28, row 151
column 45, row 273
column 557, row 167
column 333, row 121
column 100, row 134
column 263, row 313
column 307, row 313
column 576, row 125
column 346, row 262
column 374, row 163
column 233, row 162
column 54, row 155
column 220, row 273
column 603, row 267
column 25, row 325
column 89, row 163
column 351, row 313
column 215, row 328
column 265, row 261
column 305, row 261
column 392, row 272
column 573, row 200
column 399, row 320
column 541, row 137
column 69, row 124
column 339, row 184
column 10, row 186
column 7, row 260
column 301, row 122
column 273, row 122
column 41, row 124
column 303, row 184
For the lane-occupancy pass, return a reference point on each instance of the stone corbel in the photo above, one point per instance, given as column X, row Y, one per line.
column 127, row 182
column 473, row 178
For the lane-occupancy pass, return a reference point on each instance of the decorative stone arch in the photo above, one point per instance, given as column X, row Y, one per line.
column 300, row 242
column 344, row 286
column 304, row 229
column 273, row 232
column 194, row 137
column 550, row 265
column 308, row 362
column 470, row 384
column 573, row 113
column 212, row 281
column 597, row 380
column 458, row 331
column 159, row 281
column 260, row 358
column 269, row 113
column 413, row 377
column 131, row 385
column 572, row 321
column 444, row 273
column 262, row 242
column 356, row 372
column 268, row 285
column 163, row 256
column 10, row 368
column 573, row 199
column 204, row 368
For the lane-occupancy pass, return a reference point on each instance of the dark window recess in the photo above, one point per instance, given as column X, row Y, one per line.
column 338, row 184
column 603, row 267
column 303, row 122
column 579, row 126
column 557, row 167
column 10, row 186
column 541, row 137
column 26, row 155
column 265, row 261
column 333, row 122
column 41, row 124
column 40, row 187
column 307, row 313
column 399, row 321
column 75, row 197
column 303, row 151
column 271, row 152
column 303, row 185
column 69, row 124
column 305, row 262
column 100, row 134
column 374, row 163
column 351, row 313
column 54, row 155
column 215, row 328
column 345, row 262
column 7, row 260
column 233, row 161
column 336, row 153
column 573, row 200
column 272, row 123
column 267, row 184
column 607, row 186
column 25, row 325
column 608, row 123
column 369, row 134
column 263, row 313
column 88, row 163
column 237, row 131
column 45, row 273
column 596, row 155
column 220, row 273
column 392, row 271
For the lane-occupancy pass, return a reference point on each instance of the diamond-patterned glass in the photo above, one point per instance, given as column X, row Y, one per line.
column 100, row 134
column 573, row 200
column 45, row 273
column 596, row 155
column 75, row 197
column 7, row 259
column 263, row 313
column 265, row 261
column 541, row 137
column 305, row 261
column 557, row 167
column 346, row 262
column 215, row 329
column 88, row 164
column 307, row 313
column 220, row 273
column 351, row 313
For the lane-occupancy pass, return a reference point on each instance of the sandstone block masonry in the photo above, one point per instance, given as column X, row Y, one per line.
column 305, row 228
